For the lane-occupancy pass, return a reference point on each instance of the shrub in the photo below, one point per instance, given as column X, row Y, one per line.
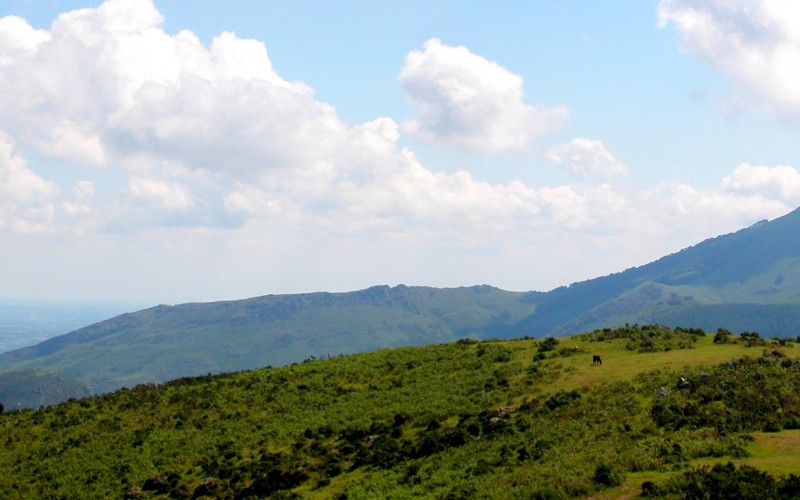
column 789, row 486
column 648, row 338
column 649, row 488
column 606, row 476
column 764, row 398
column 562, row 398
column 722, row 336
column 548, row 344
column 751, row 339
column 721, row 481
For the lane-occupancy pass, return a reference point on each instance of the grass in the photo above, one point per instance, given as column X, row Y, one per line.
column 620, row 364
column 775, row 452
column 400, row 423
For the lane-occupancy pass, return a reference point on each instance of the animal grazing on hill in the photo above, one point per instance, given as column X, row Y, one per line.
column 596, row 360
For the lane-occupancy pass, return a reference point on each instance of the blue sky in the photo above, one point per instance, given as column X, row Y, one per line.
column 172, row 151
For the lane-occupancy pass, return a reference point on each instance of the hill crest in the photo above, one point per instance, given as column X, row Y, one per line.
column 755, row 270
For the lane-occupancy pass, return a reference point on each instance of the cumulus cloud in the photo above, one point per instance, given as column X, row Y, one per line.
column 756, row 43
column 467, row 101
column 24, row 196
column 141, row 89
column 167, row 195
column 586, row 158
column 18, row 39
column 211, row 140
column 213, row 135
column 68, row 143
column 777, row 183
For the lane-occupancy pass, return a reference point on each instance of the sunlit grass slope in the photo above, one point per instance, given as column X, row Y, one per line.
column 496, row 419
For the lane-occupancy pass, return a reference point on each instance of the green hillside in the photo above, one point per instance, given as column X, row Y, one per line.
column 500, row 419
column 745, row 281
column 31, row 389
column 759, row 265
column 166, row 342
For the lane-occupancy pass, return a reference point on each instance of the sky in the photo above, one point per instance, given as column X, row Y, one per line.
column 167, row 151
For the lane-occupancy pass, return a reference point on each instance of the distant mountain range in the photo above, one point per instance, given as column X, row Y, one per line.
column 745, row 281
column 26, row 322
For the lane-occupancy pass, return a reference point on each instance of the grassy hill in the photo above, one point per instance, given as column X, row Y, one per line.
column 499, row 419
column 745, row 281
column 167, row 342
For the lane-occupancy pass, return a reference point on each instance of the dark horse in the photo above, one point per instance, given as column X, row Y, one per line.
column 596, row 360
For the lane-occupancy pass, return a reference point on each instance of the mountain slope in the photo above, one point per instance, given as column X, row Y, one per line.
column 31, row 389
column 167, row 342
column 745, row 281
column 756, row 265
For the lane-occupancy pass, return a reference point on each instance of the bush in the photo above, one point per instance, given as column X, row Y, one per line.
column 562, row 398
column 648, row 338
column 764, row 398
column 789, row 486
column 649, row 488
column 721, row 481
column 548, row 344
column 606, row 476
column 722, row 336
column 751, row 339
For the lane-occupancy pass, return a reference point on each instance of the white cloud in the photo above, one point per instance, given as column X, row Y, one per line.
column 209, row 143
column 18, row 39
column 384, row 127
column 757, row 43
column 24, row 196
column 83, row 192
column 215, row 134
column 167, row 195
column 586, row 158
column 142, row 90
column 70, row 144
column 19, row 183
column 777, row 183
column 467, row 101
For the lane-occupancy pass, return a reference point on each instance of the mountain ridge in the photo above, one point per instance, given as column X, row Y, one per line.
column 756, row 269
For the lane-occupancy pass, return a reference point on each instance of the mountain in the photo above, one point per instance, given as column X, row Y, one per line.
column 745, row 281
column 167, row 342
column 494, row 419
column 32, row 389
column 25, row 322
column 757, row 266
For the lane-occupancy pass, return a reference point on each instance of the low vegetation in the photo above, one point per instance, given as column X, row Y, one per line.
column 648, row 338
column 662, row 416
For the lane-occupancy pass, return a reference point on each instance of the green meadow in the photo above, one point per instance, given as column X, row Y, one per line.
column 526, row 418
